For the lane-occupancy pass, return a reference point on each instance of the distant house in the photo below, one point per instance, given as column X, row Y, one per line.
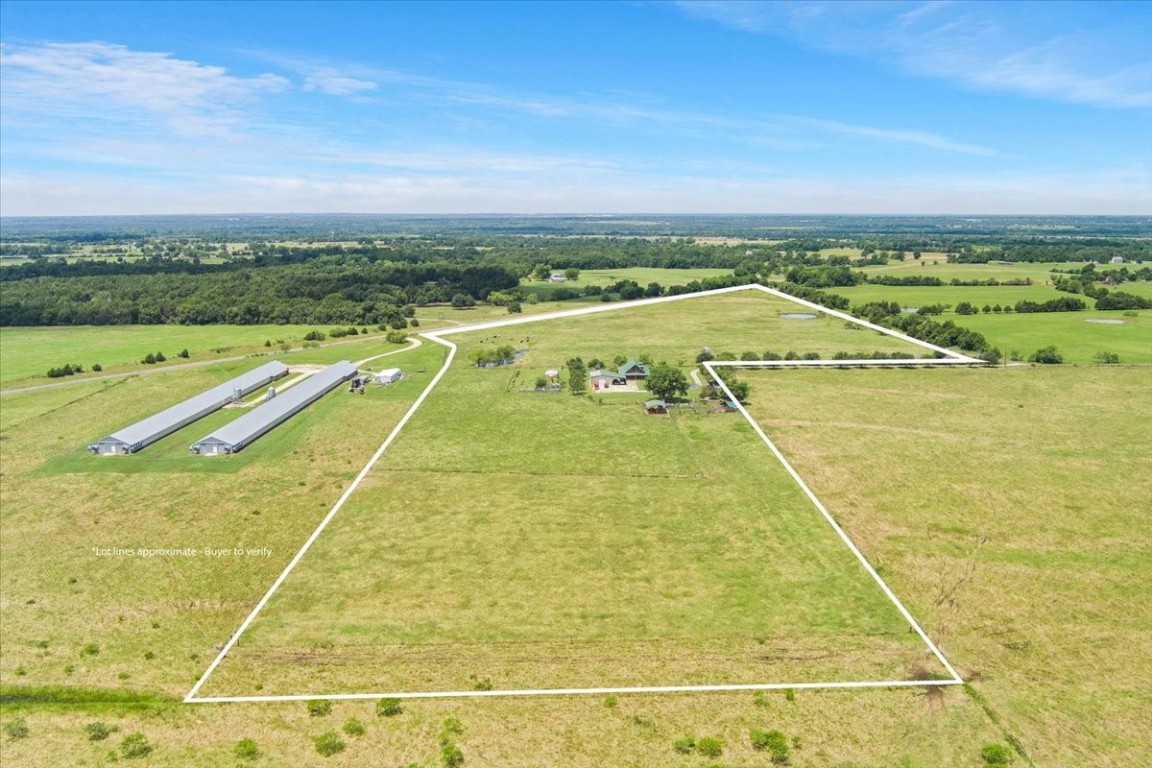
column 634, row 370
column 388, row 376
column 1117, row 259
column 552, row 374
column 655, row 406
column 557, row 277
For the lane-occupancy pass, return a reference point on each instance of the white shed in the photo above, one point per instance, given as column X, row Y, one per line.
column 388, row 376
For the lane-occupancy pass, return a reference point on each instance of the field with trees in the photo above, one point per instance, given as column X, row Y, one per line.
column 542, row 538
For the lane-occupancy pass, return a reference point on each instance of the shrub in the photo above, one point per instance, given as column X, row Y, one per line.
column 452, row 727
column 452, row 756
column 91, row 649
column 135, row 745
column 1046, row 356
column 1107, row 358
column 185, row 354
column 328, row 744
column 97, row 367
column 684, row 745
column 246, row 749
column 314, row 336
column 710, row 746
column 388, row 707
column 160, row 357
column 320, row 708
column 514, row 308
column 996, row 754
column 16, row 729
column 267, row 343
column 414, row 323
column 98, row 731
column 354, row 727
column 396, row 337
column 773, row 742
column 149, row 359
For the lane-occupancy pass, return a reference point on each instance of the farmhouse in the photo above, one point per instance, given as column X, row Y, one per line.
column 388, row 376
column 143, row 433
column 235, row 435
column 634, row 370
column 602, row 379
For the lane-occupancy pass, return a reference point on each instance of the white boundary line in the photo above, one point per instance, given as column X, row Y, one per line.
column 950, row 358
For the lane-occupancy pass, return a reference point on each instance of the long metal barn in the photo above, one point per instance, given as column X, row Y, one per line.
column 235, row 435
column 143, row 433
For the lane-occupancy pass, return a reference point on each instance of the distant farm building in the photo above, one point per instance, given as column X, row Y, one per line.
column 143, row 433
column 243, row 431
column 602, row 379
column 557, row 277
column 1117, row 259
column 656, row 406
column 388, row 376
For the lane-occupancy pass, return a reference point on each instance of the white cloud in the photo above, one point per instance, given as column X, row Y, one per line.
column 1053, row 51
column 334, row 83
column 96, row 80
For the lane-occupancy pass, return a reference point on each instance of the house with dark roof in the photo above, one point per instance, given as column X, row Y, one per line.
column 634, row 370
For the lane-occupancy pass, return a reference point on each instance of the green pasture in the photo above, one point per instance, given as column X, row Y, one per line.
column 924, row 295
column 571, row 557
column 1078, row 336
column 28, row 353
column 153, row 621
column 644, row 275
column 1007, row 508
column 1040, row 273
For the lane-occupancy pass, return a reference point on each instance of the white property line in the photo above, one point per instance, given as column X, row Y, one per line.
column 951, row 357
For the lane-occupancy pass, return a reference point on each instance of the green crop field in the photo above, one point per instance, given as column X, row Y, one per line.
column 1002, row 505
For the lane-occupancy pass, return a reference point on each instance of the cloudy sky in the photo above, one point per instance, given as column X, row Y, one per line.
column 608, row 107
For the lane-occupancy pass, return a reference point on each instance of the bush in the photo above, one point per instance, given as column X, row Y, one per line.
column 1107, row 358
column 149, row 359
column 135, row 745
column 98, row 731
column 388, row 707
column 185, row 354
column 463, row 301
column 314, row 336
column 772, row 742
column 328, row 744
column 1046, row 356
column 996, row 754
column 97, row 367
column 320, row 708
column 684, row 745
column 514, row 308
column 92, row 649
column 396, row 337
column 246, row 749
column 452, row 756
column 16, row 729
column 160, row 357
column 354, row 727
column 710, row 746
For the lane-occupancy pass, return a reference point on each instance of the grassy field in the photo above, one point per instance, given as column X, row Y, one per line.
column 1078, row 336
column 28, row 353
column 1047, row 628
column 1010, row 507
column 923, row 295
column 690, row 556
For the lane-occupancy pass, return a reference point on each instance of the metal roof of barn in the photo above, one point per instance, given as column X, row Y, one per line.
column 158, row 425
column 264, row 417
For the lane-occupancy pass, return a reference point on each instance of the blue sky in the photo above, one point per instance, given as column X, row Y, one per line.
column 566, row 107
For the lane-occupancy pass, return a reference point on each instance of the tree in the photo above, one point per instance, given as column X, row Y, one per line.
column 463, row 301
column 577, row 376
column 514, row 308
column 667, row 382
column 572, row 273
column 542, row 271
column 1047, row 356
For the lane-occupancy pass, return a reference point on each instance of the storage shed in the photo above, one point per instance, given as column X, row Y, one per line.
column 142, row 433
column 235, row 435
column 388, row 376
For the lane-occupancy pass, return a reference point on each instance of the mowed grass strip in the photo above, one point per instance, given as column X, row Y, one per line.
column 1008, row 508
column 518, row 520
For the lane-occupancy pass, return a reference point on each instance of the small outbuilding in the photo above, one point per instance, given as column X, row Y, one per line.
column 388, row 376
column 655, row 406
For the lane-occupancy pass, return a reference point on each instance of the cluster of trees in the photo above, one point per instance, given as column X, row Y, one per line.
column 920, row 326
column 69, row 369
column 302, row 294
column 1087, row 285
column 483, row 358
column 1062, row 304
